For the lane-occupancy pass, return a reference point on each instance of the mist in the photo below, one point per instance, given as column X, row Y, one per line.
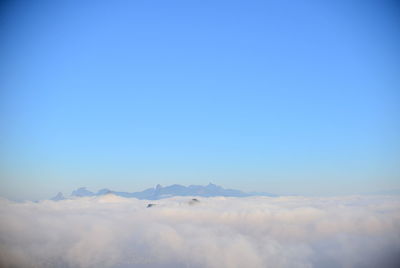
column 111, row 231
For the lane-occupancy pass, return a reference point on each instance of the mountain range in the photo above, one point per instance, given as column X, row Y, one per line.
column 159, row 192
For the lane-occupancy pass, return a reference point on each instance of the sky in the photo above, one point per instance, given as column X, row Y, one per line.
column 287, row 97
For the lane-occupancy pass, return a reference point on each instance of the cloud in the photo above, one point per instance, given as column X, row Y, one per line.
column 111, row 231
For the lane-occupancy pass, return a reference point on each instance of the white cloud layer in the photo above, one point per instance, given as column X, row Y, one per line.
column 111, row 231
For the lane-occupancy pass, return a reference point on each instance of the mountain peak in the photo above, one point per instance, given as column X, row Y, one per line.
column 58, row 197
column 158, row 187
column 213, row 186
column 82, row 191
column 104, row 191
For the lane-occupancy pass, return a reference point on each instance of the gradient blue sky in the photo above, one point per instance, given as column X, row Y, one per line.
column 278, row 96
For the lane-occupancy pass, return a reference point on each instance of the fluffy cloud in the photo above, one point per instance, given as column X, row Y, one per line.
column 111, row 231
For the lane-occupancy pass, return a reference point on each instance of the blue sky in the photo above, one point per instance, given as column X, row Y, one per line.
column 278, row 96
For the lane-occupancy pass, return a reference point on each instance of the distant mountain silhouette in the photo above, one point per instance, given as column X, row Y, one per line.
column 160, row 192
column 58, row 197
column 80, row 192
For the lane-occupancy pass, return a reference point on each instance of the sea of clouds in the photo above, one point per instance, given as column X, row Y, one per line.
column 111, row 231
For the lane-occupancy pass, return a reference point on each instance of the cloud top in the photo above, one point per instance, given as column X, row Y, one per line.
column 112, row 231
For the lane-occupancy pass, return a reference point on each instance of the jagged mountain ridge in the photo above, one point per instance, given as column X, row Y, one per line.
column 160, row 192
